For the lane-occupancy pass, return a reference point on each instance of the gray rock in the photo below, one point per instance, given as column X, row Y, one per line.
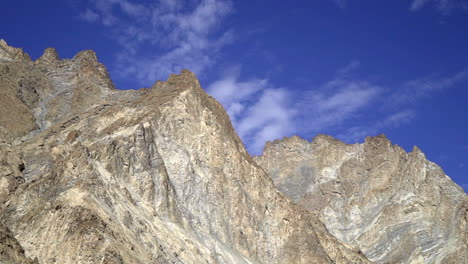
column 98, row 175
column 396, row 207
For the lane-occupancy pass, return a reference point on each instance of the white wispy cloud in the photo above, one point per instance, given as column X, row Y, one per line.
column 334, row 102
column 404, row 96
column 348, row 69
column 371, row 128
column 163, row 37
column 418, row 4
column 235, row 94
column 269, row 118
column 340, row 99
column 445, row 7
column 105, row 11
column 340, row 3
column 89, row 16
column 414, row 90
column 347, row 106
column 166, row 36
column 259, row 111
column 262, row 112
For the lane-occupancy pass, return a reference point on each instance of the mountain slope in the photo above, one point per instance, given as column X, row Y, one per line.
column 397, row 207
column 98, row 175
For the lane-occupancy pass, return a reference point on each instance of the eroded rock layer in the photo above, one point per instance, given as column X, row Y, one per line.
column 90, row 174
column 397, row 207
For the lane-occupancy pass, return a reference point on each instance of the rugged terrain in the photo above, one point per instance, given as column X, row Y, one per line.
column 397, row 207
column 91, row 174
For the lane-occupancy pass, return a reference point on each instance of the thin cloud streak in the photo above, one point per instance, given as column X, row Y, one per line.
column 414, row 90
column 162, row 38
column 340, row 3
column 335, row 102
column 89, row 16
column 259, row 111
column 445, row 7
column 262, row 112
column 167, row 36
column 392, row 121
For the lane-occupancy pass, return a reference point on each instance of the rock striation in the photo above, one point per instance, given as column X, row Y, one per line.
column 396, row 207
column 91, row 174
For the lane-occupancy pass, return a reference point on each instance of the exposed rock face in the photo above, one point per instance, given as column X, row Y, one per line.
column 397, row 207
column 11, row 251
column 42, row 92
column 90, row 174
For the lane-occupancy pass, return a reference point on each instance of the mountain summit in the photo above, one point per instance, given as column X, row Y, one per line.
column 396, row 207
column 91, row 174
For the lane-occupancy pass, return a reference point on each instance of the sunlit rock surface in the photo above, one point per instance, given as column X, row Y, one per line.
column 90, row 174
column 396, row 207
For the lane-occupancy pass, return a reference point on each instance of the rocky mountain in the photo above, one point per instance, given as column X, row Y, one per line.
column 396, row 207
column 91, row 174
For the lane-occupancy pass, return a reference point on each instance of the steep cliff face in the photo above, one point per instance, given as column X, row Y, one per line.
column 90, row 174
column 397, row 207
column 36, row 94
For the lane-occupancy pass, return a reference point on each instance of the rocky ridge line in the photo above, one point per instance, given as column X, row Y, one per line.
column 97, row 175
column 396, row 207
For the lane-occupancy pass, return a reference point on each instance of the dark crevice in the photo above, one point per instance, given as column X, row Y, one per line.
column 21, row 167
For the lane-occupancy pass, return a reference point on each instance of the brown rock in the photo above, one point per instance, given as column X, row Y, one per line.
column 151, row 176
column 396, row 207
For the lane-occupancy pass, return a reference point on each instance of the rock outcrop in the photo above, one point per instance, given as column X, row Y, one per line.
column 91, row 174
column 396, row 207
column 11, row 251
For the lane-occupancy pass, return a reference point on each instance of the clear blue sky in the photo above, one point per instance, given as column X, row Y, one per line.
column 344, row 68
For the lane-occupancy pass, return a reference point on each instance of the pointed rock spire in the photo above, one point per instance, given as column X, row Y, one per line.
column 91, row 70
column 379, row 140
column 417, row 151
column 86, row 55
column 185, row 79
column 3, row 43
column 50, row 55
column 8, row 53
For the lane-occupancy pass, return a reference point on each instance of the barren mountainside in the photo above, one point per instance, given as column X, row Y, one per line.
column 397, row 207
column 91, row 174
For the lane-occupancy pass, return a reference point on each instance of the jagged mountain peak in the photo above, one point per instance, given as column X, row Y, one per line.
column 50, row 55
column 90, row 173
column 143, row 176
column 323, row 140
column 185, row 78
column 49, row 89
column 86, row 55
column 8, row 53
column 396, row 207
column 378, row 139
